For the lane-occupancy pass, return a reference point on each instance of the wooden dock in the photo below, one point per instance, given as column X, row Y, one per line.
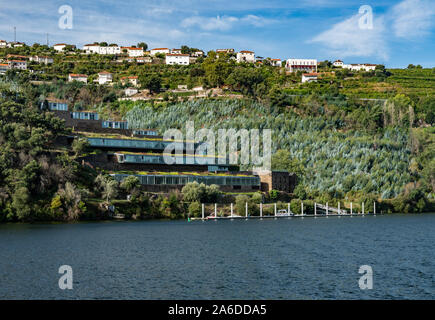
column 320, row 210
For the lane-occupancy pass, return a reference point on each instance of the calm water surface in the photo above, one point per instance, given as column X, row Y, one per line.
column 268, row 259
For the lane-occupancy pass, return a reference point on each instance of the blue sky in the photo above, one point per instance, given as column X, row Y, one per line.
column 403, row 31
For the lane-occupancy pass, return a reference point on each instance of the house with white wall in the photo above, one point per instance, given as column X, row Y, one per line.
column 130, row 79
column 41, row 59
column 78, row 77
column 180, row 59
column 309, row 77
column 246, row 56
column 276, row 62
column 133, row 52
column 153, row 52
column 3, row 68
column 3, row 44
column 105, row 77
column 98, row 49
column 18, row 64
column 338, row 63
column 358, row 67
column 305, row 65
column 60, row 46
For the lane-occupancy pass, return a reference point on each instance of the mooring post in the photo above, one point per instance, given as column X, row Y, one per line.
column 215, row 210
column 246, row 210
column 315, row 209
column 275, row 209
column 202, row 211
column 302, row 208
column 261, row 209
column 231, row 210
column 288, row 208
column 374, row 208
column 339, row 208
column 351, row 212
column 327, row 208
column 363, row 208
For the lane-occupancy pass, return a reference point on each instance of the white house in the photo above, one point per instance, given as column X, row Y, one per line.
column 246, row 56
column 60, row 46
column 130, row 92
column 144, row 60
column 91, row 48
column 198, row 54
column 133, row 52
column 18, row 64
column 3, row 44
column 3, row 68
column 338, row 63
column 309, row 77
column 111, row 49
column 15, row 44
column 78, row 77
column 276, row 62
column 153, row 52
column 224, row 50
column 41, row 59
column 105, row 77
column 96, row 48
column 181, row 59
column 176, row 51
column 307, row 65
column 131, row 79
column 358, row 67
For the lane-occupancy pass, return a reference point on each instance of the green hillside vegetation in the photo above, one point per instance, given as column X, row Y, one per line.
column 351, row 136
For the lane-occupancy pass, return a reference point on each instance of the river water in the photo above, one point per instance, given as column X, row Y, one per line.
column 308, row 258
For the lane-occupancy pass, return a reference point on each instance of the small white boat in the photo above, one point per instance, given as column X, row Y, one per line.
column 284, row 213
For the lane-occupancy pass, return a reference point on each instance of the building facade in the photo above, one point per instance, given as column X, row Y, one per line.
column 246, row 56
column 179, row 59
column 304, row 65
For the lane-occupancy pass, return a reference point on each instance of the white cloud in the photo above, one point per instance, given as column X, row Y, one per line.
column 347, row 39
column 223, row 23
column 413, row 18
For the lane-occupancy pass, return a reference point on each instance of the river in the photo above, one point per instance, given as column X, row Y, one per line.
column 298, row 258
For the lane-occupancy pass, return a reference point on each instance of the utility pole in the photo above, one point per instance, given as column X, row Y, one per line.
column 47, row 39
column 15, row 34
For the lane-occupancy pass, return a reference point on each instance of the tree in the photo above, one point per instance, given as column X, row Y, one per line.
column 142, row 45
column 282, row 161
column 80, row 146
column 130, row 183
column 153, row 83
column 71, row 200
column 195, row 209
column 107, row 186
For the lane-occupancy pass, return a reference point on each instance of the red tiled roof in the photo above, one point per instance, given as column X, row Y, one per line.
column 177, row 55
column 159, row 49
column 311, row 74
column 74, row 75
